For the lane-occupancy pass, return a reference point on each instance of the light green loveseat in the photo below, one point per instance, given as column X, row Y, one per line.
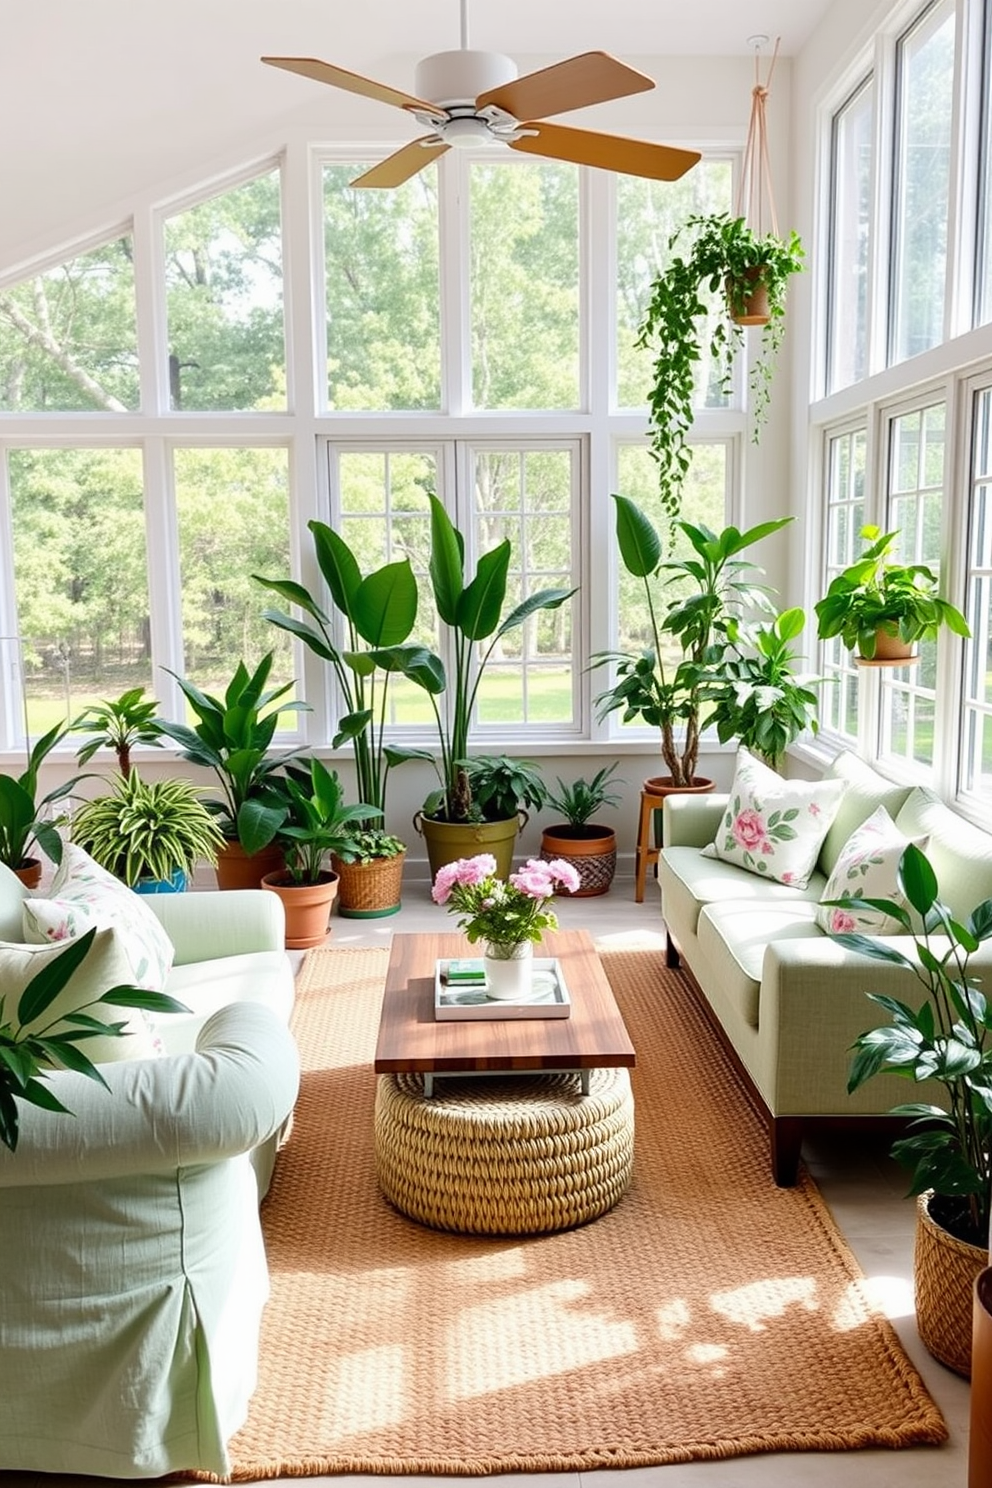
column 133, row 1272
column 787, row 999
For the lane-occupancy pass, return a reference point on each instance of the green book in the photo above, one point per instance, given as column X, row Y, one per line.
column 466, row 972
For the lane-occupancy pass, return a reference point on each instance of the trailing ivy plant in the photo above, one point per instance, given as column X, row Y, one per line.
column 719, row 254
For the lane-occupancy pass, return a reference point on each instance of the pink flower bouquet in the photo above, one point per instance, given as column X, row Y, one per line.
column 503, row 913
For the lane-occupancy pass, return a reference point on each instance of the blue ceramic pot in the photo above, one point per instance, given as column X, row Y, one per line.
column 174, row 885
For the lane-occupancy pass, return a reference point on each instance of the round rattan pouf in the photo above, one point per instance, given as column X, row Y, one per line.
column 494, row 1156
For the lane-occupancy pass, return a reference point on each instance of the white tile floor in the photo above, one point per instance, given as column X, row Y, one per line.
column 865, row 1192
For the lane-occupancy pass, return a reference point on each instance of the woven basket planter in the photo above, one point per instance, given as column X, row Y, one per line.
column 593, row 857
column 944, row 1274
column 371, row 890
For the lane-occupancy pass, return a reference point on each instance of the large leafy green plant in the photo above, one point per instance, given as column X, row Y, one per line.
column 947, row 1039
column 27, row 1059
column 721, row 254
column 232, row 737
column 317, row 820
column 757, row 697
column 710, row 591
column 379, row 610
column 23, row 819
column 875, row 593
column 471, row 611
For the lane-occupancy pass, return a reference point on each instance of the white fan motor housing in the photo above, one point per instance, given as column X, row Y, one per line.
column 459, row 77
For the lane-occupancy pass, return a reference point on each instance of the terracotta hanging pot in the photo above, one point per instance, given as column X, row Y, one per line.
column 747, row 299
column 892, row 650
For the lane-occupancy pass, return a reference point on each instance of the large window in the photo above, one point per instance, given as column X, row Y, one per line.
column 845, row 467
column 851, row 177
column 976, row 764
column 924, row 130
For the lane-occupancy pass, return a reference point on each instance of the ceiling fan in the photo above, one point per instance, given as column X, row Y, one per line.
column 478, row 99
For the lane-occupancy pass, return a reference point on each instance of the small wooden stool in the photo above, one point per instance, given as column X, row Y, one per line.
column 647, row 853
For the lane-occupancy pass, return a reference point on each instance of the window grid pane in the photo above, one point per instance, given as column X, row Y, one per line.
column 915, row 504
column 852, row 155
column 845, row 516
column 922, row 183
column 976, row 772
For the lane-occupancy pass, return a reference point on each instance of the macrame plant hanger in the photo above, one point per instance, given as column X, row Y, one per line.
column 754, row 190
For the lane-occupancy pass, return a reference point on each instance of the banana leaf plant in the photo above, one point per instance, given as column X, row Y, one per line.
column 471, row 612
column 378, row 610
column 23, row 818
column 27, row 1059
column 232, row 737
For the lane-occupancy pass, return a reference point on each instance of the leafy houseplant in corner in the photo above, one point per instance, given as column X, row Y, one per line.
column 881, row 608
column 589, row 846
column 688, row 634
column 471, row 613
column 725, row 256
column 150, row 834
column 370, row 874
column 947, row 1039
column 757, row 698
column 232, row 737
column 29, row 1053
column 316, row 822
column 23, row 822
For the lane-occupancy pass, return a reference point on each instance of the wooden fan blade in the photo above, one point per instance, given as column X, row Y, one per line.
column 401, row 165
column 352, row 82
column 612, row 152
column 594, row 77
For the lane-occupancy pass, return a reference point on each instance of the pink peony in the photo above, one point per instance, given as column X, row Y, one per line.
column 749, row 829
column 841, row 922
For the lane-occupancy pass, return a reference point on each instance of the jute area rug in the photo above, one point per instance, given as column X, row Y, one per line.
column 708, row 1315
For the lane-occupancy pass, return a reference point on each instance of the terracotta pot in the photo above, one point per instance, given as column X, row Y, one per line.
column 892, row 649
column 29, row 872
column 591, row 850
column 448, row 841
column 369, row 891
column 236, row 870
column 754, row 300
column 307, row 906
column 944, row 1274
column 661, row 785
column 980, row 1434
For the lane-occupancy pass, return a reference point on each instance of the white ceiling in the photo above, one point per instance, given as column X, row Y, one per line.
column 100, row 99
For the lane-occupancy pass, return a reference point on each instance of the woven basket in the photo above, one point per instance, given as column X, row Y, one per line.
column 944, row 1273
column 369, row 890
column 593, row 858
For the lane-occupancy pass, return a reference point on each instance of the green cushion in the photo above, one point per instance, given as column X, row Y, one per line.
column 961, row 854
column 864, row 790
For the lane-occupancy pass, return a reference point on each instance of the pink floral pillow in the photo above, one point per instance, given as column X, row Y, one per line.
column 867, row 868
column 773, row 826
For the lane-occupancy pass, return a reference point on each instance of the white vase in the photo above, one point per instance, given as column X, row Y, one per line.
column 509, row 971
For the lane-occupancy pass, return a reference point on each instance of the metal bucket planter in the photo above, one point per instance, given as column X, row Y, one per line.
column 448, row 841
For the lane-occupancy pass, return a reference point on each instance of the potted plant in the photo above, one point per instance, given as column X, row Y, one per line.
column 232, row 737
column 28, row 1053
column 453, row 822
column 370, row 874
column 119, row 724
column 722, row 255
column 590, row 847
column 756, row 696
column 881, row 608
column 150, row 834
column 23, row 820
column 316, row 822
column 711, row 589
column 947, row 1039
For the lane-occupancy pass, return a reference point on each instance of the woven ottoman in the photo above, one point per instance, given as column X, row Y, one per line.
column 499, row 1155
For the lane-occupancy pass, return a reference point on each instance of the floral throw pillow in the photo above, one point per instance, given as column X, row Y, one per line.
column 83, row 895
column 867, row 868
column 773, row 826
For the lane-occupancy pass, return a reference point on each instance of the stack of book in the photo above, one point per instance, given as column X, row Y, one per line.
column 468, row 972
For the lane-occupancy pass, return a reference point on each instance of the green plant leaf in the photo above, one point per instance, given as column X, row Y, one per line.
column 917, row 879
column 447, row 563
column 46, row 984
column 637, row 539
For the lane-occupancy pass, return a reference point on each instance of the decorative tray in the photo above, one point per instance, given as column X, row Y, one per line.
column 550, row 998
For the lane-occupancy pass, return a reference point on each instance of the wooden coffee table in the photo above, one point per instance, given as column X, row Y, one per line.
column 412, row 1041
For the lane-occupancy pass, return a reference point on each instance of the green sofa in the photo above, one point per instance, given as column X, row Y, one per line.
column 788, row 1001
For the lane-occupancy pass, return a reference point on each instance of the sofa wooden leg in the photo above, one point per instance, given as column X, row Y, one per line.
column 672, row 958
column 786, row 1142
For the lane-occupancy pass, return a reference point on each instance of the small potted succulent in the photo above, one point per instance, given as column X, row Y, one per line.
column 881, row 608
column 589, row 846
